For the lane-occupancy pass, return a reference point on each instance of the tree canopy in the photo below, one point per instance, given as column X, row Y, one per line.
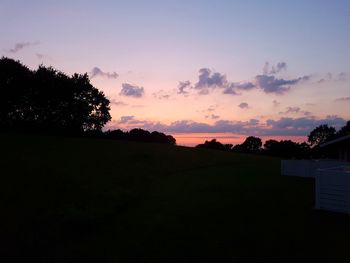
column 345, row 130
column 321, row 134
column 250, row 145
column 140, row 135
column 214, row 144
column 47, row 100
column 287, row 149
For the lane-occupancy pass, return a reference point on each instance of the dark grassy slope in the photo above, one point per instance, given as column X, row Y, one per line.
column 71, row 200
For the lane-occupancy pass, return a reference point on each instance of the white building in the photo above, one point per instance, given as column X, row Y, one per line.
column 332, row 176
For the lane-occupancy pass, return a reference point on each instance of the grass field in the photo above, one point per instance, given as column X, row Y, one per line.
column 93, row 200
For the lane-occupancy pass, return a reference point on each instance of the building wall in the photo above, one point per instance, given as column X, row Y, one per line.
column 344, row 151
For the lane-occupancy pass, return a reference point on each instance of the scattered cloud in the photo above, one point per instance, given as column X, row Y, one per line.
column 328, row 77
column 209, row 80
column 183, row 85
column 292, row 110
column 40, row 56
column 214, row 117
column 270, row 84
column 118, row 102
column 342, row 76
column 230, row 89
column 244, row 85
column 276, row 103
column 161, row 95
column 342, row 99
column 310, row 104
column 21, row 45
column 243, row 105
column 211, row 108
column 295, row 110
column 97, row 72
column 267, row 70
column 233, row 87
column 126, row 119
column 138, row 106
column 131, row 90
column 301, row 126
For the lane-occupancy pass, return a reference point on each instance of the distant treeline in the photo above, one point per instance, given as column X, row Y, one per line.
column 138, row 135
column 285, row 148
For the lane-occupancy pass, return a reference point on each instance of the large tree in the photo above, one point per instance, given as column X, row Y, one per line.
column 48, row 100
column 321, row 134
column 250, row 145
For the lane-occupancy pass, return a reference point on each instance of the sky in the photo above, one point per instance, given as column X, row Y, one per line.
column 196, row 69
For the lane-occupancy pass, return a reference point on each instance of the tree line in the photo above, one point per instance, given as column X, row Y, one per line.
column 285, row 148
column 139, row 135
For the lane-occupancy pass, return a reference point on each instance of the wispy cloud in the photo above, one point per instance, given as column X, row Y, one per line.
column 292, row 110
column 40, row 56
column 243, row 105
column 131, row 90
column 212, row 116
column 270, row 70
column 342, row 76
column 295, row 110
column 342, row 99
column 118, row 102
column 21, row 45
column 271, row 84
column 276, row 103
column 183, row 87
column 161, row 95
column 211, row 108
column 126, row 119
column 97, row 72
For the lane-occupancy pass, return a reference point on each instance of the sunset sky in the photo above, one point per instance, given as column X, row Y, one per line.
column 196, row 69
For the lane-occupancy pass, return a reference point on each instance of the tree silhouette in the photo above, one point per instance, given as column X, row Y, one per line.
column 250, row 145
column 287, row 149
column 140, row 135
column 320, row 135
column 345, row 130
column 47, row 100
column 214, row 144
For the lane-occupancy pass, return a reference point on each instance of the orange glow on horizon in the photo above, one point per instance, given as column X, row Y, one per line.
column 193, row 139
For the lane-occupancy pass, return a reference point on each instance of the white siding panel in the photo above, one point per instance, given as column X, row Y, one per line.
column 333, row 190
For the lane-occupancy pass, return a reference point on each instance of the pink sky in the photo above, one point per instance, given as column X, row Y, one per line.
column 273, row 69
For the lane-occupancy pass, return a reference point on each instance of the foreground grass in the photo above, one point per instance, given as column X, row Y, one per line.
column 89, row 200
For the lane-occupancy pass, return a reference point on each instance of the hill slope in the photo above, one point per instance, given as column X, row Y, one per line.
column 89, row 200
